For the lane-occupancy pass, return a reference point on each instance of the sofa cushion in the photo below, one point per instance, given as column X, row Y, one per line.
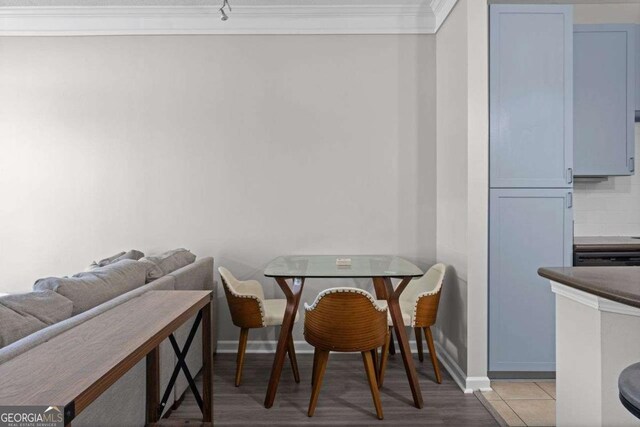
column 27, row 343
column 46, row 306
column 16, row 326
column 24, row 314
column 89, row 289
column 132, row 254
column 158, row 266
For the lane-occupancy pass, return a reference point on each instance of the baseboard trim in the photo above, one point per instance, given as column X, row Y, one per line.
column 477, row 383
column 522, row 375
column 466, row 384
column 259, row 346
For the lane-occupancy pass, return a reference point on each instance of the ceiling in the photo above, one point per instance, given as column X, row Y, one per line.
column 239, row 3
column 293, row 3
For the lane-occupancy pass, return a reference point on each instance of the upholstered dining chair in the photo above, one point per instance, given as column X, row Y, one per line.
column 346, row 320
column 249, row 309
column 419, row 307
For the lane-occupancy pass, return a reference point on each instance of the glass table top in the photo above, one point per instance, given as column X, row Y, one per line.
column 324, row 266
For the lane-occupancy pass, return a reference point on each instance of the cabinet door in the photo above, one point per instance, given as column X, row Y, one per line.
column 604, row 66
column 529, row 229
column 531, row 95
column 638, row 68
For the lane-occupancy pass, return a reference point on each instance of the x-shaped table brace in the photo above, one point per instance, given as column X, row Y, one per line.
column 182, row 365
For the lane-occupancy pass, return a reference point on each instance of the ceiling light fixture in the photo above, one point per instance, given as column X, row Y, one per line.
column 223, row 15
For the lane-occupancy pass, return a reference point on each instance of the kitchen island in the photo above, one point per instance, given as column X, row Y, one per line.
column 597, row 336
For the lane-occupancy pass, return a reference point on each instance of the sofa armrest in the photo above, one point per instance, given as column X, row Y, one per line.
column 194, row 277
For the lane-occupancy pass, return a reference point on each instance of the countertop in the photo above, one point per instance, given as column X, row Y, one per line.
column 620, row 284
column 606, row 244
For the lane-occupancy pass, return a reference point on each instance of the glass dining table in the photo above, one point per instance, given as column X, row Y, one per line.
column 290, row 273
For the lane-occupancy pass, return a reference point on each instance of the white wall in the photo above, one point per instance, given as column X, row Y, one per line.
column 606, row 13
column 239, row 147
column 462, row 188
column 478, row 197
column 452, row 159
column 610, row 207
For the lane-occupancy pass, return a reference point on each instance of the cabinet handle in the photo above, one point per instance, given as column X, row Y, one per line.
column 570, row 175
column 632, row 165
column 569, row 200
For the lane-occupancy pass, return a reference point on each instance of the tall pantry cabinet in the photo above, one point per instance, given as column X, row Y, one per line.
column 531, row 180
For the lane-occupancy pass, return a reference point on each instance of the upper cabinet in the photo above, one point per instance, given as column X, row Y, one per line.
column 605, row 77
column 531, row 96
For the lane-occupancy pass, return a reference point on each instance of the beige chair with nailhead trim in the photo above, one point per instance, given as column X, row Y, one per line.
column 249, row 309
column 419, row 307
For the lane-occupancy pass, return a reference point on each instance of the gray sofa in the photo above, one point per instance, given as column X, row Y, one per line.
column 123, row 404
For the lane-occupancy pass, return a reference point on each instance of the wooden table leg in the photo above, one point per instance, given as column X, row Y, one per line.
column 381, row 293
column 293, row 294
column 153, row 386
column 380, row 288
column 403, row 340
column 207, row 366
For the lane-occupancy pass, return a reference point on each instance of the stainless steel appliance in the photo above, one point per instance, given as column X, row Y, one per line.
column 606, row 259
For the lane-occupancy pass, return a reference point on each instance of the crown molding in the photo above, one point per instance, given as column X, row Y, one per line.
column 417, row 17
column 441, row 9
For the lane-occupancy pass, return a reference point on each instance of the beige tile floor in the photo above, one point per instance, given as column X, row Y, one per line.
column 524, row 403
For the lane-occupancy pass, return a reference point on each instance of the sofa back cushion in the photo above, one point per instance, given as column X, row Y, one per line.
column 132, row 254
column 91, row 288
column 160, row 265
column 24, row 314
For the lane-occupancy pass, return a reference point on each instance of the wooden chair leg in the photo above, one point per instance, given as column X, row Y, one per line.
column 419, row 343
column 242, row 346
column 383, row 361
column 292, row 357
column 432, row 353
column 373, row 383
column 321, row 365
column 374, row 357
column 315, row 363
column 392, row 346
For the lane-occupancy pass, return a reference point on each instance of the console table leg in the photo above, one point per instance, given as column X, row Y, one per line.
column 153, row 385
column 207, row 366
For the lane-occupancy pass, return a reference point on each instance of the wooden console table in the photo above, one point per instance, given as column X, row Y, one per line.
column 72, row 369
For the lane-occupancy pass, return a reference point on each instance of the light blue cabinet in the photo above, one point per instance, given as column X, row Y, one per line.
column 531, row 179
column 638, row 68
column 531, row 96
column 605, row 77
column 529, row 228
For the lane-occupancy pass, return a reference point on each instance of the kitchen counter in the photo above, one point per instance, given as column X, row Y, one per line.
column 620, row 284
column 597, row 336
column 606, row 244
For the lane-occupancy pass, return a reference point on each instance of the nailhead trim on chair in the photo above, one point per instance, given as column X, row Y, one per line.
column 235, row 294
column 341, row 290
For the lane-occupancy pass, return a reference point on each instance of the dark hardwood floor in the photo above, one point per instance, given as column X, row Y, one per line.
column 345, row 398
